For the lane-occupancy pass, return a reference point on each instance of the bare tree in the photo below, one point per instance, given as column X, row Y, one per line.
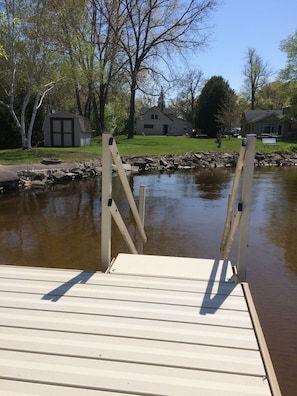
column 257, row 73
column 107, row 30
column 153, row 30
column 192, row 83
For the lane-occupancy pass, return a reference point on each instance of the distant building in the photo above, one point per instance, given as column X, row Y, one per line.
column 154, row 121
column 63, row 129
column 269, row 122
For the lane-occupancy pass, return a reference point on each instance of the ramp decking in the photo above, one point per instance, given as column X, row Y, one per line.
column 151, row 326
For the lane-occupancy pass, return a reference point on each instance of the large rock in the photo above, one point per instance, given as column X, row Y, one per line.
column 9, row 180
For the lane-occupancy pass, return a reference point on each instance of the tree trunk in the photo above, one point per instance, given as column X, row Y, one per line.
column 253, row 99
column 78, row 102
column 23, row 119
column 97, row 119
column 132, row 110
column 33, row 117
column 102, row 101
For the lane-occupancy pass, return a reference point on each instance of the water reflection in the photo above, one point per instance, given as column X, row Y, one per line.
column 277, row 200
column 59, row 228
column 212, row 183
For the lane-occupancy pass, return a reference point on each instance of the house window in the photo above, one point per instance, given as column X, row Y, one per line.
column 154, row 116
column 268, row 128
column 148, row 126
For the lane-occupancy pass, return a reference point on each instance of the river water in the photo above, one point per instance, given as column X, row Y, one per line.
column 185, row 214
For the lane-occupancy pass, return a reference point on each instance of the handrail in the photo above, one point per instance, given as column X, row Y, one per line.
column 109, row 208
column 122, row 174
column 245, row 166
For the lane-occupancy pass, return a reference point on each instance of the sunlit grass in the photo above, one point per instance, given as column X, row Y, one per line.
column 138, row 146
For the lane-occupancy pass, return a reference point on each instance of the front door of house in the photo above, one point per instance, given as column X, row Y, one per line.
column 62, row 132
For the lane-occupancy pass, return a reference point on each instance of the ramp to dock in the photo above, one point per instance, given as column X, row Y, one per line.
column 150, row 326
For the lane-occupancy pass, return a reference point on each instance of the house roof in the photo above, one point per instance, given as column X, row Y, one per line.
column 167, row 112
column 253, row 116
column 170, row 113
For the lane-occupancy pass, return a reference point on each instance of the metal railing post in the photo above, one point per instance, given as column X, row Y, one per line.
column 246, row 198
column 122, row 174
column 106, row 194
column 141, row 208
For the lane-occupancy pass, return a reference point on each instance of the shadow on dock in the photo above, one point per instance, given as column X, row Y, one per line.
column 217, row 291
column 61, row 290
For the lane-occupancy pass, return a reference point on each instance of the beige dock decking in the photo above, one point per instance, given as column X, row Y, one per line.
column 152, row 326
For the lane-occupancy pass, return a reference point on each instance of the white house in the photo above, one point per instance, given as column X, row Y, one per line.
column 154, row 121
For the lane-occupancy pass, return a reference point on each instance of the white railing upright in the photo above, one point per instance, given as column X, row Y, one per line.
column 244, row 168
column 106, row 194
column 246, row 199
column 109, row 210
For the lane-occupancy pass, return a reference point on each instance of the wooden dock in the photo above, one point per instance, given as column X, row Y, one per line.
column 150, row 326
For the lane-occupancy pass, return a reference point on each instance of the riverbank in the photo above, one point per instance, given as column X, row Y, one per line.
column 47, row 173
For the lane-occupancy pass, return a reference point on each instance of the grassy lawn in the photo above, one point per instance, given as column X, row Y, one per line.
column 139, row 146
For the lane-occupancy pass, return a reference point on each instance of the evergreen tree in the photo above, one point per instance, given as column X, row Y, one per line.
column 213, row 95
column 161, row 100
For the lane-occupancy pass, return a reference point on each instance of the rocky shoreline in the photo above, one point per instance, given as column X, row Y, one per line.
column 13, row 177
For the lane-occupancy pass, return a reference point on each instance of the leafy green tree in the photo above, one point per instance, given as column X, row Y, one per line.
column 2, row 29
column 213, row 96
column 228, row 112
column 75, row 44
column 289, row 45
column 289, row 73
column 116, row 110
column 273, row 96
column 26, row 79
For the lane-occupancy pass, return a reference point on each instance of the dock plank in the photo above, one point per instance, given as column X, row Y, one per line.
column 132, row 309
column 84, row 333
column 126, row 377
column 110, row 292
column 127, row 349
column 126, row 280
column 129, row 327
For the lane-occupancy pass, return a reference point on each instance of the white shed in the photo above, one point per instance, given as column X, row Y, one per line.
column 64, row 129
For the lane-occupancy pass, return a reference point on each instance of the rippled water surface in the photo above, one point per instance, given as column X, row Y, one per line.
column 185, row 214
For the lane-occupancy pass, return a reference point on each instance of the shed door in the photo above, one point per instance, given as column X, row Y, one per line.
column 62, row 132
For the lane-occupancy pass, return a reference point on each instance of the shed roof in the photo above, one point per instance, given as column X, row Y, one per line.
column 84, row 122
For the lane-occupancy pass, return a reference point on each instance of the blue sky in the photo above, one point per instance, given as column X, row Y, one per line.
column 242, row 24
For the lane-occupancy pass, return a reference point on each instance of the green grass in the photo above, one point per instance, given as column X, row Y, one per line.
column 139, row 146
